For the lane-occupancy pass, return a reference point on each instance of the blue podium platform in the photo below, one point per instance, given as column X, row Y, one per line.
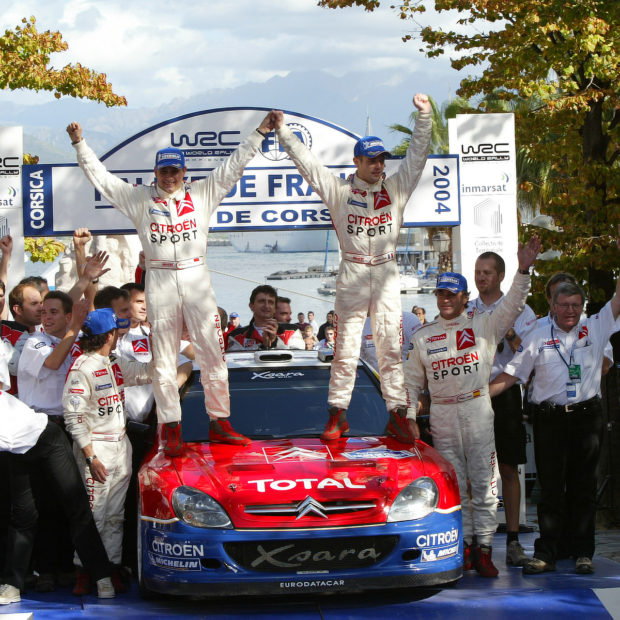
column 559, row 594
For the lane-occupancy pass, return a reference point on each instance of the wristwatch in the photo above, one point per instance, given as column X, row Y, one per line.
column 90, row 459
column 525, row 272
column 510, row 337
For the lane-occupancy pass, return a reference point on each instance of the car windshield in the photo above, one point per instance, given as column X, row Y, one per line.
column 270, row 403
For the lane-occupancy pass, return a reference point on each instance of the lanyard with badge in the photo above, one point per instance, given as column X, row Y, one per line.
column 574, row 370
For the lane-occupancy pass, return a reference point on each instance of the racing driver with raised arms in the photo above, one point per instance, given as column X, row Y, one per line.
column 172, row 221
column 454, row 354
column 367, row 212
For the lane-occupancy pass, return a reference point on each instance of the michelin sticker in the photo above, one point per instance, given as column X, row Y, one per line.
column 377, row 453
column 432, row 555
column 176, row 556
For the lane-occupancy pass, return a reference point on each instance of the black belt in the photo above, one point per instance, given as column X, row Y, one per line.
column 583, row 407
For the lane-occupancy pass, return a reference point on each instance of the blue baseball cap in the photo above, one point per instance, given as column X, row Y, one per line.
column 234, row 315
column 169, row 157
column 104, row 320
column 370, row 146
column 453, row 282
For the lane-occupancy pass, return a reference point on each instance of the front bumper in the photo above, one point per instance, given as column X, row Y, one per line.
column 183, row 560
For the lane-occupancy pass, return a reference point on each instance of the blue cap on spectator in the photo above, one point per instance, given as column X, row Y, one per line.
column 234, row 315
column 453, row 282
column 169, row 157
column 370, row 146
column 104, row 320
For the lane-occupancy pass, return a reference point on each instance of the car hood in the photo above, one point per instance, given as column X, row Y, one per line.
column 305, row 482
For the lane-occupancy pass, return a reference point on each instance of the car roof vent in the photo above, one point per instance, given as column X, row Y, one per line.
column 273, row 356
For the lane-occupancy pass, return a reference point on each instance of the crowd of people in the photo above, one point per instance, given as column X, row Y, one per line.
column 89, row 372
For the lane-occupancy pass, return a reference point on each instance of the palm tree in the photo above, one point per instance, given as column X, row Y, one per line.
column 535, row 182
column 439, row 135
column 439, row 145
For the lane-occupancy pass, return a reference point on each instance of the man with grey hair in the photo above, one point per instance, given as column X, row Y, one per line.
column 566, row 355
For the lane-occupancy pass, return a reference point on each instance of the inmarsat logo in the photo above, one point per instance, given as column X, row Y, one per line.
column 10, row 201
column 273, row 150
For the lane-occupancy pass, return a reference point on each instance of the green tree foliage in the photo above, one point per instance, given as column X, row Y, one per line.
column 44, row 249
column 24, row 59
column 563, row 54
column 24, row 64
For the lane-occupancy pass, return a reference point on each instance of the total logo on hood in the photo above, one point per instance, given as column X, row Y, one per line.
column 305, row 483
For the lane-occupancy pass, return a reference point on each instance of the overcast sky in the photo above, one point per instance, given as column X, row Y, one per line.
column 154, row 51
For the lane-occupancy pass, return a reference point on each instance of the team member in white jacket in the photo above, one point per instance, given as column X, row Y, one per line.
column 172, row 221
column 94, row 410
column 366, row 211
column 454, row 354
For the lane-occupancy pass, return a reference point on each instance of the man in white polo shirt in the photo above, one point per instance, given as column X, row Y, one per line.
column 47, row 355
column 43, row 366
column 566, row 355
column 510, row 435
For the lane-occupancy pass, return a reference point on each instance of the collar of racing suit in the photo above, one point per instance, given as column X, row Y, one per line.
column 359, row 184
column 455, row 322
column 104, row 359
column 178, row 195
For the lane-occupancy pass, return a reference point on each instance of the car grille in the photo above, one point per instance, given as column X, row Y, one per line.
column 294, row 555
column 309, row 507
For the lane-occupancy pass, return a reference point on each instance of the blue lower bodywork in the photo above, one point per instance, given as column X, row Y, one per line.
column 180, row 559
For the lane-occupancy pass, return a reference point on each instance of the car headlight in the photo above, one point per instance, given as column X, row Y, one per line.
column 415, row 501
column 199, row 509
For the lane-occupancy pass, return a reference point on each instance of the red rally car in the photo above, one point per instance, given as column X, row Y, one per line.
column 289, row 512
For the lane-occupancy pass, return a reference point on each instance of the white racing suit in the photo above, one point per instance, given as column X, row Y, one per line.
column 367, row 219
column 456, row 357
column 94, row 410
column 173, row 230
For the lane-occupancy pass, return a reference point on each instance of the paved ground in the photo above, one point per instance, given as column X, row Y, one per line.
column 561, row 594
column 512, row 596
column 608, row 544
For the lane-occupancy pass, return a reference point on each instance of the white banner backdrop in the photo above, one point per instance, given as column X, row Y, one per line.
column 11, row 221
column 486, row 147
column 488, row 191
column 271, row 195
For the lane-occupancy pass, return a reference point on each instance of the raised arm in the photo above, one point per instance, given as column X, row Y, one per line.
column 81, row 237
column 94, row 268
column 120, row 194
column 56, row 358
column 218, row 184
column 410, row 170
column 322, row 181
column 505, row 315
